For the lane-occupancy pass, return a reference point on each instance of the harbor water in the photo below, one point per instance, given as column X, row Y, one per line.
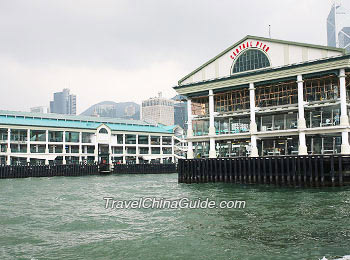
column 66, row 218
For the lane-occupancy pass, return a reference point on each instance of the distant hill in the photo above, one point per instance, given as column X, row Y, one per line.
column 126, row 110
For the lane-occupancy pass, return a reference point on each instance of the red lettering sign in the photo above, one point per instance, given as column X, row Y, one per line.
column 245, row 45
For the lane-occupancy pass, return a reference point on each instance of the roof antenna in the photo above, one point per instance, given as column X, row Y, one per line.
column 270, row 31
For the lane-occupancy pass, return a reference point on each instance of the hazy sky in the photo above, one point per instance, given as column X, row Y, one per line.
column 129, row 50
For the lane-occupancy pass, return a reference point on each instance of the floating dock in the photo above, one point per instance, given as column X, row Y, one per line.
column 312, row 170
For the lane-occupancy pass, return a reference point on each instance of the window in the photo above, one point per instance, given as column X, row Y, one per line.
column 144, row 150
column 18, row 135
column 55, row 136
column 87, row 137
column 72, row 137
column 155, row 150
column 131, row 150
column 155, row 140
column 130, row 139
column 251, row 60
column 103, row 131
column 119, row 139
column 117, row 149
column 38, row 135
column 166, row 140
column 143, row 139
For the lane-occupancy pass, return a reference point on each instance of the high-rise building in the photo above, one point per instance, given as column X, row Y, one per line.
column 158, row 110
column 338, row 25
column 64, row 103
column 331, row 34
column 180, row 111
column 344, row 38
column 39, row 109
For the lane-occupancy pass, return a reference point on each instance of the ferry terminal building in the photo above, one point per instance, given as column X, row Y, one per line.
column 265, row 97
column 63, row 139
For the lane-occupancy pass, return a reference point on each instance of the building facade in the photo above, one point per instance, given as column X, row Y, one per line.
column 158, row 110
column 64, row 103
column 47, row 138
column 265, row 97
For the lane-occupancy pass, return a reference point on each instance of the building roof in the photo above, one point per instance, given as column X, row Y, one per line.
column 193, row 88
column 80, row 122
column 260, row 39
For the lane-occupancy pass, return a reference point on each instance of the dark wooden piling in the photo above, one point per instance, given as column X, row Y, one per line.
column 306, row 170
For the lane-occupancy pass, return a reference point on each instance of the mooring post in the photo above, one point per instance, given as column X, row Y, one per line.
column 310, row 171
column 294, row 167
column 332, row 170
column 254, row 169
column 270, row 170
column 264, row 169
column 316, row 170
column 259, row 169
column 230, row 170
column 235, row 169
column 340, row 169
column 305, row 171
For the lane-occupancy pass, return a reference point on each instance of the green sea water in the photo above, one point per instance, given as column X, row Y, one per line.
column 66, row 218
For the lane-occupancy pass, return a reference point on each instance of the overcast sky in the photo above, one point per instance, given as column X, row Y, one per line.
column 130, row 50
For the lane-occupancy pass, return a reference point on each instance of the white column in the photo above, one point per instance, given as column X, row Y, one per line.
column 212, row 132
column 302, row 143
column 189, row 118
column 253, row 127
column 137, row 149
column 64, row 148
column 212, row 149
column 161, row 149
column 8, row 161
column 211, row 113
column 172, row 150
column 345, row 147
column 344, row 118
column 301, row 117
column 47, row 142
column 189, row 129
column 189, row 150
column 47, row 146
column 28, row 142
column 8, row 140
column 124, row 150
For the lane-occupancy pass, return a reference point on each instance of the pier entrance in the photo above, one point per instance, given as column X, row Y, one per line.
column 103, row 158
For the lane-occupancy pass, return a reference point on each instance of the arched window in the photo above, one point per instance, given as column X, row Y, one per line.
column 251, row 60
column 103, row 131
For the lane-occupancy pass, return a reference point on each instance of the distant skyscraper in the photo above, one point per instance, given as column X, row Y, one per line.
column 64, row 103
column 40, row 109
column 331, row 34
column 344, row 38
column 158, row 110
column 338, row 26
column 180, row 111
